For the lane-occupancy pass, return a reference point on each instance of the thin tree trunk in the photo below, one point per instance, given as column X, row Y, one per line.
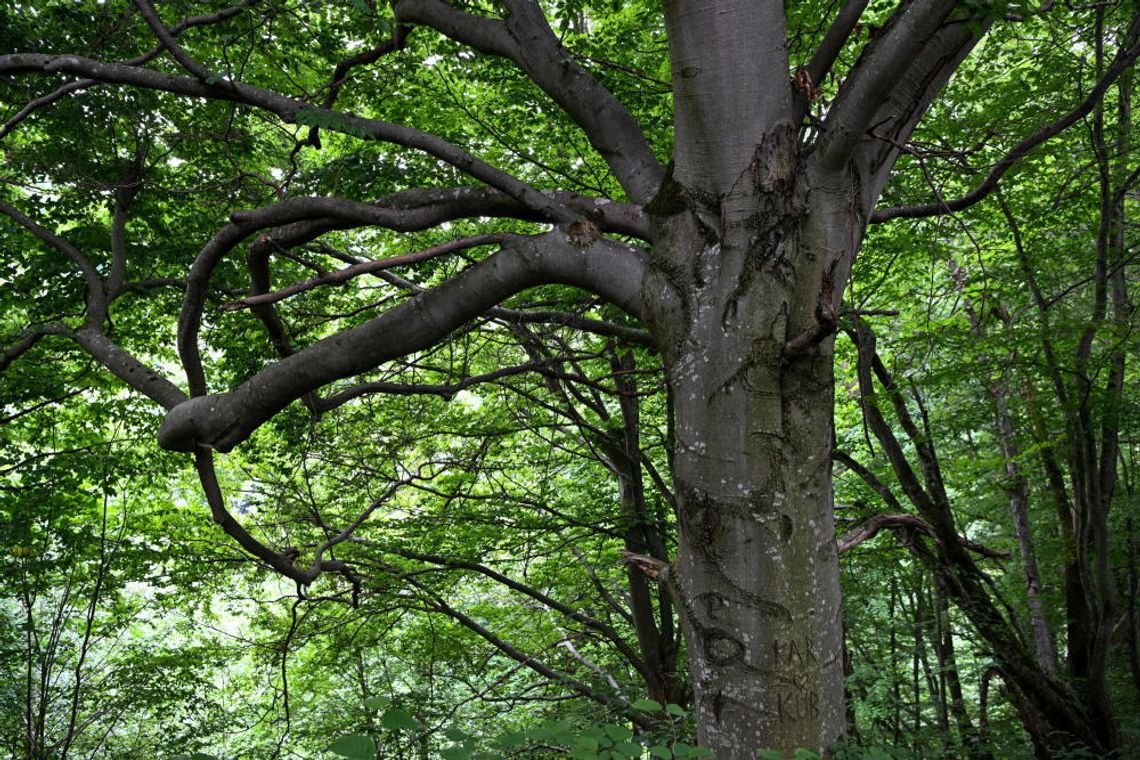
column 1017, row 489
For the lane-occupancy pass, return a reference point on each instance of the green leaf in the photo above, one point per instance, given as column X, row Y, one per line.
column 661, row 751
column 586, row 742
column 583, row 754
column 618, row 733
column 457, row 752
column 361, row 6
column 676, row 710
column 354, row 747
column 647, row 705
column 630, row 749
column 512, row 739
column 397, row 720
column 377, row 703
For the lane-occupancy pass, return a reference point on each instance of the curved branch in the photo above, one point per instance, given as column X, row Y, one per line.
column 96, row 296
column 28, row 341
column 300, row 220
column 1124, row 59
column 204, row 462
column 167, row 39
column 223, row 421
column 897, row 521
column 526, row 38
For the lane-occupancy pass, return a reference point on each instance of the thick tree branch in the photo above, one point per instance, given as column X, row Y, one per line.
column 129, row 369
column 1125, row 59
column 113, row 358
column 880, row 69
column 526, row 38
column 300, row 220
column 833, row 41
column 222, row 421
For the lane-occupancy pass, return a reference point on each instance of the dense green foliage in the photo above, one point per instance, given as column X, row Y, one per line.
column 493, row 615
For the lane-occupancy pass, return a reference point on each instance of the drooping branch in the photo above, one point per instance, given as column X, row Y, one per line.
column 526, row 38
column 577, row 616
column 288, row 110
column 1125, row 58
column 529, row 661
column 609, row 269
column 204, row 462
column 78, row 86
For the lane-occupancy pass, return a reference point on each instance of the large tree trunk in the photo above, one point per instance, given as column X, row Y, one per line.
column 733, row 289
column 757, row 569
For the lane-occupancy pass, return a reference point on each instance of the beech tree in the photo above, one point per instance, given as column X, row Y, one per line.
column 728, row 253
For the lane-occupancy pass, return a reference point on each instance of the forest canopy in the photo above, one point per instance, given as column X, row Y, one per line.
column 589, row 379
